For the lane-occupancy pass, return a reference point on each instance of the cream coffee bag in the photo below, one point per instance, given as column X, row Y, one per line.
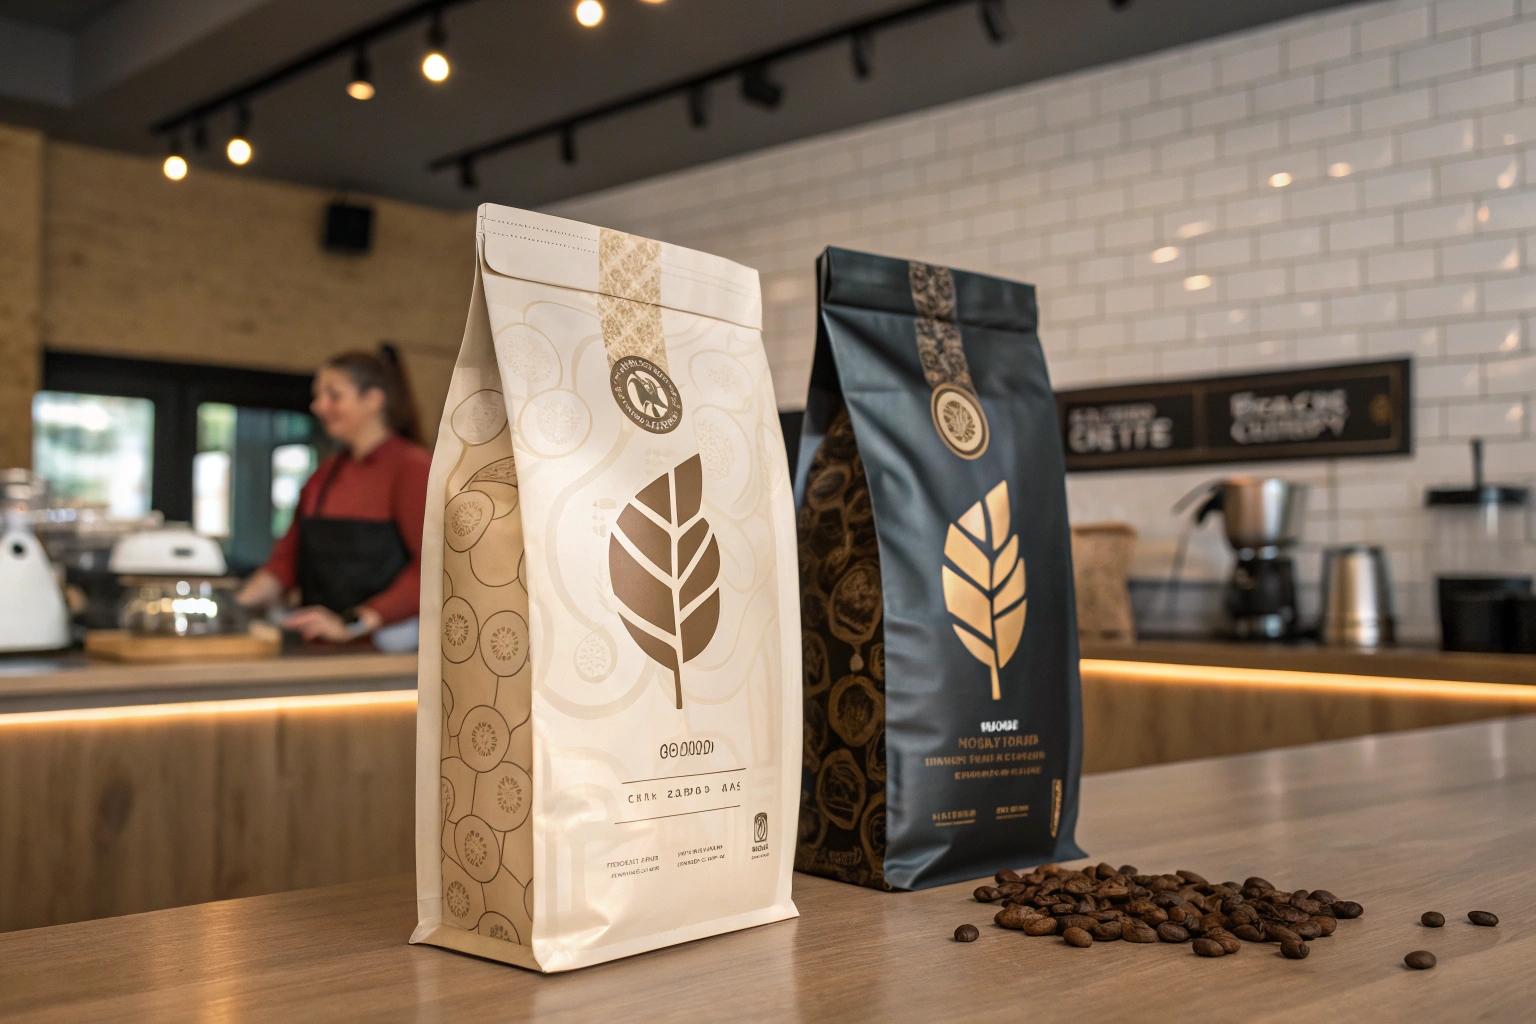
column 609, row 724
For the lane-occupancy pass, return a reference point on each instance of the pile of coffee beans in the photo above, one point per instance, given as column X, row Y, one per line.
column 1103, row 903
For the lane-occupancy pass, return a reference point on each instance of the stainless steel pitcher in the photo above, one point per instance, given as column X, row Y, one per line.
column 1357, row 597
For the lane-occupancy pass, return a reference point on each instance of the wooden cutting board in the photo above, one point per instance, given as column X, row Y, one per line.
column 120, row 645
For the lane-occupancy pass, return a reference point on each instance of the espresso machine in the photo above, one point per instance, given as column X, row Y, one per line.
column 1263, row 517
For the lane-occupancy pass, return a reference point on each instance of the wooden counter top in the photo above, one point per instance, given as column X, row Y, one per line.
column 1440, row 819
column 1396, row 662
column 73, row 681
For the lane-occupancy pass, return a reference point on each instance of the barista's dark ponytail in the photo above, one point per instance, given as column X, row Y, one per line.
column 383, row 371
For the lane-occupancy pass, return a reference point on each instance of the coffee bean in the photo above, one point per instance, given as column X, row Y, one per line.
column 986, row 894
column 1307, row 906
column 966, row 933
column 1307, row 929
column 1325, row 926
column 1132, row 930
column 1077, row 937
column 1107, row 931
column 1062, row 908
column 1008, row 875
column 1255, row 882
column 1295, row 949
column 1248, row 933
column 1280, row 933
column 1013, row 918
column 1483, row 918
column 1209, row 921
column 1105, row 870
column 1040, row 926
column 1209, row 947
column 1347, row 909
column 1228, row 941
column 1420, row 959
column 1324, row 896
column 1432, row 919
column 1128, row 870
column 1192, row 878
column 1011, row 888
column 1082, row 921
column 1170, row 932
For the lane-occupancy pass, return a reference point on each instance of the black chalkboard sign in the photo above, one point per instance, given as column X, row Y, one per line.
column 1317, row 412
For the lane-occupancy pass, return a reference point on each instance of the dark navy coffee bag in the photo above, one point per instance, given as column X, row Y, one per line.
column 943, row 719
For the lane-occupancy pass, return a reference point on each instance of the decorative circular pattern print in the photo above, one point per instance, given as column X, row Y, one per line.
column 527, row 354
column 479, row 417
column 464, row 520
column 494, row 926
column 504, row 643
column 855, row 709
column 483, row 738
column 958, row 417
column 840, row 789
column 594, row 656
column 503, row 796
column 477, row 847
column 555, row 423
column 459, row 630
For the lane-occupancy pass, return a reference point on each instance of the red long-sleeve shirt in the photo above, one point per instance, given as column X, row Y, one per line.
column 389, row 483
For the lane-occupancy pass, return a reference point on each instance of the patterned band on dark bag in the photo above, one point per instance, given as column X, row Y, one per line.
column 956, row 409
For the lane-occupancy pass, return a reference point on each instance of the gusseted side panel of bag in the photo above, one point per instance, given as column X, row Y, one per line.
column 931, row 388
column 662, row 646
column 474, row 746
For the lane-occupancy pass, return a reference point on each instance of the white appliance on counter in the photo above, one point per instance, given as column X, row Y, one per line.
column 173, row 550
column 33, row 616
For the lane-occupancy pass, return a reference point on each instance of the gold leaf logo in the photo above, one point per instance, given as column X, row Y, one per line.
column 664, row 562
column 984, row 582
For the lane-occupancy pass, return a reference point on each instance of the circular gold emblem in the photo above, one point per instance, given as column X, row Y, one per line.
column 958, row 418
column 646, row 394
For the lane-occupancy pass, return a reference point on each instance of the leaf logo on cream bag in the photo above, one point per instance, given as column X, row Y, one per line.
column 664, row 563
column 984, row 582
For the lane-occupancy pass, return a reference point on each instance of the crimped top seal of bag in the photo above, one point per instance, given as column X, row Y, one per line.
column 569, row 254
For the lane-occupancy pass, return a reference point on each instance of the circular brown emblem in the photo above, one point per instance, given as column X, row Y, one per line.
column 646, row 394
column 958, row 418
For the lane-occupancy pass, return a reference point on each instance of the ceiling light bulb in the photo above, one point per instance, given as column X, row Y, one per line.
column 589, row 13
column 1339, row 170
column 1166, row 254
column 1280, row 180
column 360, row 89
column 1197, row 283
column 175, row 167
column 435, row 66
column 239, row 151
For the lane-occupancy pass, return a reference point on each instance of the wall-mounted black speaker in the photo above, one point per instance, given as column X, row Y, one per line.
column 348, row 228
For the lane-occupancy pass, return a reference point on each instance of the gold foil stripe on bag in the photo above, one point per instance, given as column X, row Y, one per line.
column 629, row 297
column 938, row 336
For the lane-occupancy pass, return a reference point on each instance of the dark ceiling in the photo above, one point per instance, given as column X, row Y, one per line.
column 519, row 63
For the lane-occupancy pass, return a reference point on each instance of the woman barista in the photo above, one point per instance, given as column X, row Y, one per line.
column 354, row 550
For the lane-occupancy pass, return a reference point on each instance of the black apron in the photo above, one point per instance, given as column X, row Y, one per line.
column 344, row 562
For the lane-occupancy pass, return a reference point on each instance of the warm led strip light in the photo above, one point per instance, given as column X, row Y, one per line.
column 252, row 705
column 1154, row 672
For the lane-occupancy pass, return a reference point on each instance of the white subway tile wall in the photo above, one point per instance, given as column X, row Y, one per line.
column 1359, row 183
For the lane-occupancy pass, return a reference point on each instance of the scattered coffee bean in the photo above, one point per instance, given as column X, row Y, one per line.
column 1307, row 929
column 1077, row 937
column 1324, row 897
column 1082, row 921
column 1280, row 933
column 1227, row 940
column 1209, row 947
column 986, row 894
column 1008, row 875
column 1483, row 918
column 1170, row 932
column 1040, row 926
column 1192, row 878
column 1325, row 926
column 1420, row 959
column 1107, row 931
column 966, row 933
column 1132, row 930
column 1257, row 883
column 1012, row 918
column 1347, row 909
column 1248, row 933
column 1432, row 919
column 1295, row 949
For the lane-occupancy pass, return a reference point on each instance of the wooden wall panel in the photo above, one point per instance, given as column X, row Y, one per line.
column 99, row 818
